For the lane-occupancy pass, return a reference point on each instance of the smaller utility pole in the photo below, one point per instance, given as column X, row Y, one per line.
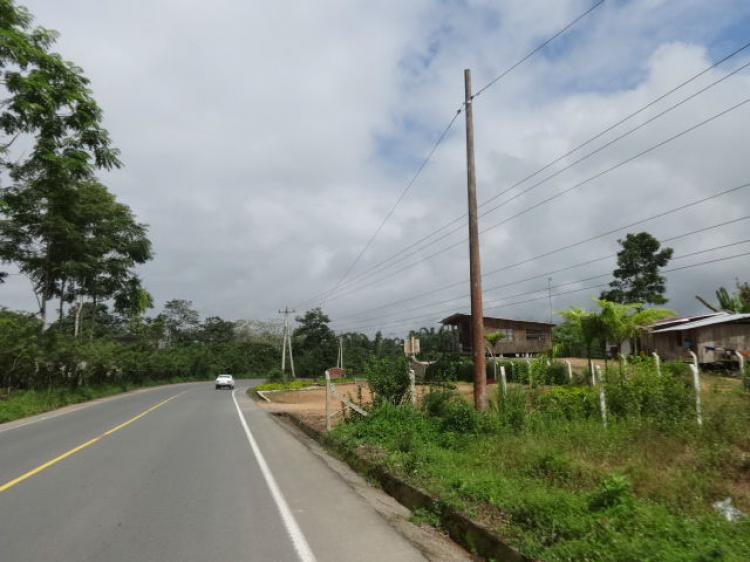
column 287, row 342
column 340, row 360
column 475, row 270
column 549, row 295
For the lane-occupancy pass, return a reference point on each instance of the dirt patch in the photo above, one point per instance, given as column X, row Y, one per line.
column 310, row 404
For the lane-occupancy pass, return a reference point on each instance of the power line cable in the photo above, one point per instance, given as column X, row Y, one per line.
column 534, row 51
column 591, row 239
column 378, row 266
column 568, row 190
column 401, row 196
column 567, row 268
column 445, row 132
column 545, row 295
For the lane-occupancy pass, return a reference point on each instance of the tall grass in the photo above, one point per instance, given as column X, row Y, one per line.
column 542, row 469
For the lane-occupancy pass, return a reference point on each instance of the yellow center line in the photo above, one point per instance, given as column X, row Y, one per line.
column 74, row 450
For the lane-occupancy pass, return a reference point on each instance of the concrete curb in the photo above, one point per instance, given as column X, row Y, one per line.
column 476, row 538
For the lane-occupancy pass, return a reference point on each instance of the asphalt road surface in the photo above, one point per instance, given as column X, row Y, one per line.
column 180, row 473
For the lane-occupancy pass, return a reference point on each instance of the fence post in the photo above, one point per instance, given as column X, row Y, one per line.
column 657, row 360
column 592, row 372
column 695, row 358
column 412, row 387
column 602, row 397
column 697, row 386
column 328, row 401
column 741, row 359
column 570, row 371
column 504, row 381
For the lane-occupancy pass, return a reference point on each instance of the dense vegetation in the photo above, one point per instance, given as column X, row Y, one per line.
column 541, row 468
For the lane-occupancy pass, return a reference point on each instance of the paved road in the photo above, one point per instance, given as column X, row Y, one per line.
column 173, row 474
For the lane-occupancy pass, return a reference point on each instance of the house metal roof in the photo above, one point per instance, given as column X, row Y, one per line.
column 682, row 319
column 455, row 318
column 722, row 318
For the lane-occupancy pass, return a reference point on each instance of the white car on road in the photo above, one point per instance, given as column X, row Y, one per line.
column 224, row 381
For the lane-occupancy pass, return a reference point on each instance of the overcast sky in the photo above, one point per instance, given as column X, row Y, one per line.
column 264, row 142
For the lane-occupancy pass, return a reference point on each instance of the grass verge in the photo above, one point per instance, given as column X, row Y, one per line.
column 564, row 488
column 21, row 404
column 296, row 384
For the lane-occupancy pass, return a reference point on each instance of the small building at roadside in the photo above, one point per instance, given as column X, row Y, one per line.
column 520, row 337
column 714, row 338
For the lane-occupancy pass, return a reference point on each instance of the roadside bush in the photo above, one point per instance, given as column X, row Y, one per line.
column 568, row 402
column 557, row 373
column 452, row 411
column 460, row 416
column 450, row 368
column 614, row 490
column 435, row 404
column 517, row 371
column 676, row 368
column 538, row 370
column 388, row 378
column 643, row 393
column 511, row 409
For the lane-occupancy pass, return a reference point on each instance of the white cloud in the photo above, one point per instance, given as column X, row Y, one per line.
column 264, row 142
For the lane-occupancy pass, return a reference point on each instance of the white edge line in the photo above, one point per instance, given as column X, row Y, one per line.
column 295, row 533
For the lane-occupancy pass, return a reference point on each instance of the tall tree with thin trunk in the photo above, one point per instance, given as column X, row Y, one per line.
column 637, row 278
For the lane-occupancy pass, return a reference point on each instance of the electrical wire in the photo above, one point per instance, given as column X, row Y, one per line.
column 564, row 192
column 378, row 267
column 545, row 296
column 534, row 51
column 442, row 137
column 548, row 273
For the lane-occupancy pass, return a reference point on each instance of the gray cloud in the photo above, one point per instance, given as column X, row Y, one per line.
column 264, row 142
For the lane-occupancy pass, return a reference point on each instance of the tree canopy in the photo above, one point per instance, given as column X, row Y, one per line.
column 637, row 276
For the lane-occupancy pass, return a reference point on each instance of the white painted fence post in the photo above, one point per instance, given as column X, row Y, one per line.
column 695, row 359
column 697, row 386
column 741, row 359
column 602, row 397
column 328, row 401
column 657, row 360
column 592, row 373
column 504, row 381
column 412, row 387
column 570, row 371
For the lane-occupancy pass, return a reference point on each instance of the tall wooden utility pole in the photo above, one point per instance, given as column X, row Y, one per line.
column 287, row 342
column 475, row 270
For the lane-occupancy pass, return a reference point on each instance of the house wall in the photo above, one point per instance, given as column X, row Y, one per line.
column 674, row 345
column 728, row 336
column 520, row 342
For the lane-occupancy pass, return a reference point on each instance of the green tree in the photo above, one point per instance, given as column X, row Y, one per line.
column 736, row 303
column 47, row 101
column 587, row 327
column 637, row 276
column 181, row 321
column 20, row 348
column 315, row 344
column 86, row 246
column 623, row 322
column 217, row 330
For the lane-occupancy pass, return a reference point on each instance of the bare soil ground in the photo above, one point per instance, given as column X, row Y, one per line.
column 310, row 404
